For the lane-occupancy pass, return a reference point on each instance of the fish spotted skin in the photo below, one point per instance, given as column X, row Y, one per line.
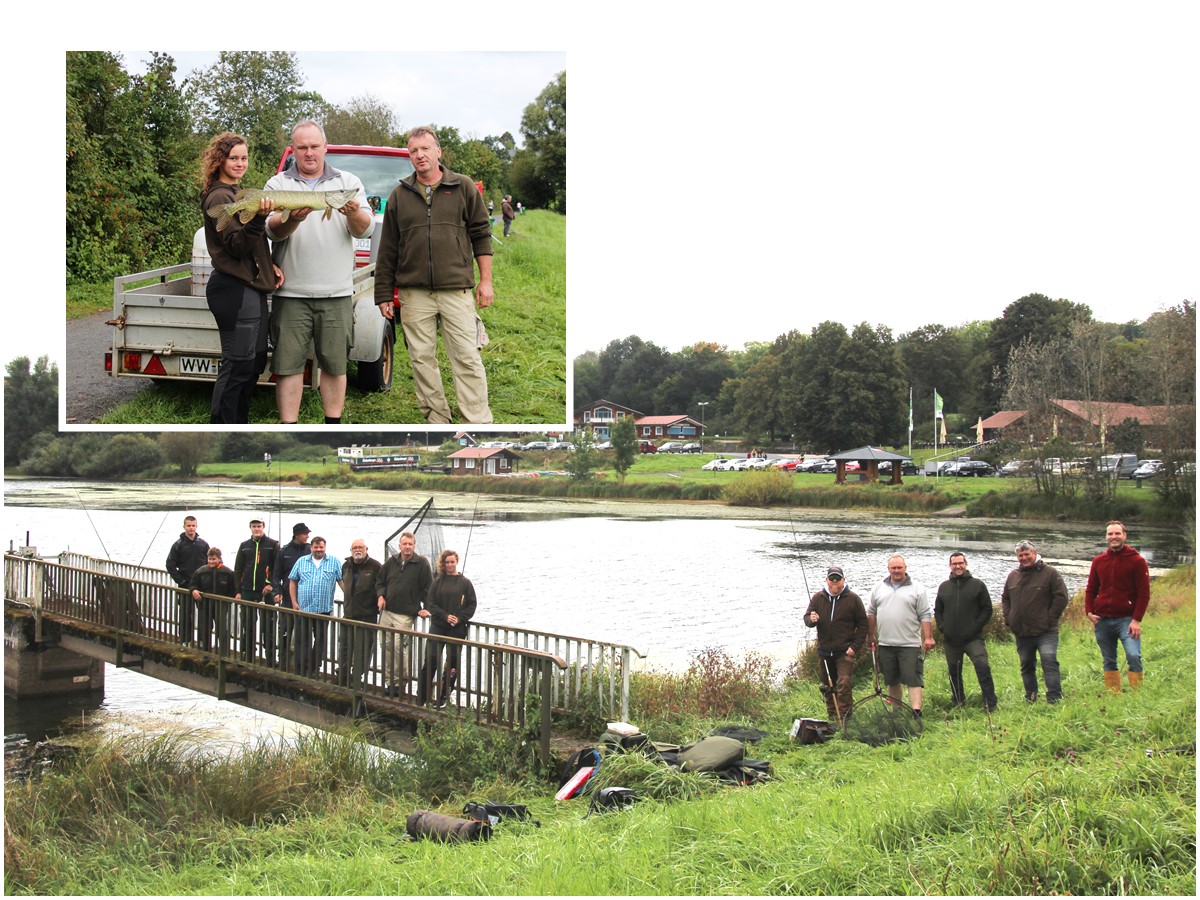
column 245, row 204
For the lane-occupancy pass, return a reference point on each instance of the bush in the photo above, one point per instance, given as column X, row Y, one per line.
column 762, row 488
column 714, row 686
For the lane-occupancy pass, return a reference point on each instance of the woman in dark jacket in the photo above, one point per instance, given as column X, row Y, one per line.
column 449, row 605
column 242, row 276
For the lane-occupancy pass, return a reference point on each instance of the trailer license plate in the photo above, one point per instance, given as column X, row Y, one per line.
column 199, row 365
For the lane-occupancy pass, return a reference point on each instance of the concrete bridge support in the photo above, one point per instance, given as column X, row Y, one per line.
column 42, row 668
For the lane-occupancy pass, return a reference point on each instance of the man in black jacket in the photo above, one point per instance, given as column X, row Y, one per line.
column 217, row 579
column 252, row 569
column 186, row 555
column 401, row 589
column 356, row 646
column 289, row 554
column 841, row 623
column 962, row 608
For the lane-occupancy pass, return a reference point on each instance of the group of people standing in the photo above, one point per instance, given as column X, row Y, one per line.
column 435, row 231
column 896, row 623
column 301, row 577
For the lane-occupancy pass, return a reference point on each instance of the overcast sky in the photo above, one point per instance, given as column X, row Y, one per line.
column 738, row 173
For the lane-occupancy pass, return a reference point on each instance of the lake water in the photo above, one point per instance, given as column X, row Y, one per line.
column 668, row 579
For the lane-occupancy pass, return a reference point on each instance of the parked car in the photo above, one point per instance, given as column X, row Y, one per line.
column 907, row 467
column 758, row 462
column 604, row 445
column 1149, row 468
column 728, row 465
column 811, row 465
column 647, row 447
column 825, row 465
column 975, row 468
column 783, row 463
column 1118, row 465
column 671, row 447
column 561, row 445
column 741, row 464
column 1016, row 468
column 714, row 465
column 691, row 448
column 536, row 445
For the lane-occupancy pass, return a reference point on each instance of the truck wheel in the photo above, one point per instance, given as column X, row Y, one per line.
column 376, row 377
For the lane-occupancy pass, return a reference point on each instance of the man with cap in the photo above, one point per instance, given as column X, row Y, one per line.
column 252, row 571
column 841, row 622
column 291, row 553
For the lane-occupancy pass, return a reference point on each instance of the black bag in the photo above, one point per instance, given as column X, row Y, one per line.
column 612, row 740
column 813, row 731
column 446, row 829
column 611, row 798
column 588, row 756
column 494, row 813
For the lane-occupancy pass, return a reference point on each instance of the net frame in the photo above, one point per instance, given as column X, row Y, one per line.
column 879, row 719
column 426, row 526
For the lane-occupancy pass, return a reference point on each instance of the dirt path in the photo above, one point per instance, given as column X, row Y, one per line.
column 90, row 391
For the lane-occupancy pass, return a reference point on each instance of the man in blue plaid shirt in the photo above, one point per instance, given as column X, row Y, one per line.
column 311, row 586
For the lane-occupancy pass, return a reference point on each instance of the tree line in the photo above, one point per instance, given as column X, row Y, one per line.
column 835, row 387
column 134, row 141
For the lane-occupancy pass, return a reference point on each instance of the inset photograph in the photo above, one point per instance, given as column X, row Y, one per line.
column 258, row 238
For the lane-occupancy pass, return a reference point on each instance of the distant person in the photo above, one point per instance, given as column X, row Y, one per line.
column 289, row 554
column 840, row 618
column 435, row 221
column 506, row 212
column 449, row 605
column 213, row 578
column 242, row 276
column 252, row 569
column 316, row 304
column 1116, row 598
column 962, row 609
column 186, row 555
column 1033, row 601
column 311, row 587
column 900, row 625
column 403, row 584
column 520, row 208
column 356, row 647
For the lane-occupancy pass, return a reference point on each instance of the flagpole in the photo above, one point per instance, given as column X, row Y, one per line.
column 935, row 423
column 910, row 424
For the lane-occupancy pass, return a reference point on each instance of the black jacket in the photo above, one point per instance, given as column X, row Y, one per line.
column 219, row 581
column 253, row 565
column 450, row 595
column 848, row 626
column 962, row 608
column 289, row 554
column 185, row 557
column 358, row 586
column 404, row 585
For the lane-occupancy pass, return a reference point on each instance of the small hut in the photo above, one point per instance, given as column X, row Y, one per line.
column 870, row 458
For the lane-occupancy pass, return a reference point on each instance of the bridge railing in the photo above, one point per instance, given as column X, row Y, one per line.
column 594, row 669
column 491, row 681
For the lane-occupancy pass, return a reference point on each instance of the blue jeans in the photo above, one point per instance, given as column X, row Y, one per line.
column 1028, row 650
column 1108, row 632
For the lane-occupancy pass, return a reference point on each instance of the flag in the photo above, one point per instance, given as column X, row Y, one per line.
column 910, row 424
column 937, row 404
column 943, row 429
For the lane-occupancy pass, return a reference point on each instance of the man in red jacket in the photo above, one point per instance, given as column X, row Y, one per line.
column 1118, row 592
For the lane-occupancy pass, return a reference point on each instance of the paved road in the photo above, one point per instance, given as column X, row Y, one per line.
column 90, row 391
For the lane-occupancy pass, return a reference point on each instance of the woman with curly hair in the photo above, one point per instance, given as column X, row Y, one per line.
column 449, row 606
column 243, row 274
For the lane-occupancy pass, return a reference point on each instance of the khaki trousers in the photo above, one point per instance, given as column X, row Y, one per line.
column 420, row 312
column 395, row 651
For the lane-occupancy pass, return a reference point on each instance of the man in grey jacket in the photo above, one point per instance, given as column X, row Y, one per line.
column 900, row 624
column 962, row 609
column 1033, row 601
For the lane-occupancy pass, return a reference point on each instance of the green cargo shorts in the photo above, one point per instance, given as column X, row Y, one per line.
column 298, row 322
column 902, row 665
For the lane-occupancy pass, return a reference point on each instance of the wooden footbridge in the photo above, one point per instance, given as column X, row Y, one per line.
column 319, row 670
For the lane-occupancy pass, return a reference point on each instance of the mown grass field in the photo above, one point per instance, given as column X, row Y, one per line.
column 526, row 359
column 1094, row 795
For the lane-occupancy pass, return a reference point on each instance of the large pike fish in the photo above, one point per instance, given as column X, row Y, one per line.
column 245, row 204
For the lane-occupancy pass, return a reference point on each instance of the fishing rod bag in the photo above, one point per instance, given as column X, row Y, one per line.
column 446, row 829
column 494, row 813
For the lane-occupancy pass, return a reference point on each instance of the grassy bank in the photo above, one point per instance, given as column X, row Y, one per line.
column 677, row 477
column 1037, row 799
column 526, row 359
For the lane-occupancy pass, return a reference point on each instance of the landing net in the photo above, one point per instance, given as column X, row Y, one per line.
column 426, row 526
column 878, row 719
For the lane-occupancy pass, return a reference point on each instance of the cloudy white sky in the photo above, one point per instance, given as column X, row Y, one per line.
column 743, row 172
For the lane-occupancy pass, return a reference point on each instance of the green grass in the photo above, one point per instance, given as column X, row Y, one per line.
column 1038, row 799
column 526, row 359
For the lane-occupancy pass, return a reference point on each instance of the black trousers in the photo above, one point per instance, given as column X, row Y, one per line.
column 241, row 314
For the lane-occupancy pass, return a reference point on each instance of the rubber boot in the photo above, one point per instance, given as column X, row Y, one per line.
column 1135, row 681
column 1112, row 681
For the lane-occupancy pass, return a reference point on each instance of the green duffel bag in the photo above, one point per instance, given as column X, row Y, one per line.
column 712, row 754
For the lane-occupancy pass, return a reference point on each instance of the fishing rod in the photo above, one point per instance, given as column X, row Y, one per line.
column 799, row 555
column 160, row 524
column 463, row 568
column 107, row 555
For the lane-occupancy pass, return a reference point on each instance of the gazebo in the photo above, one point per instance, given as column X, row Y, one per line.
column 871, row 457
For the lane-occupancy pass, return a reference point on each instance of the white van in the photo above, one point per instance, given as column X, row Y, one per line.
column 1118, row 465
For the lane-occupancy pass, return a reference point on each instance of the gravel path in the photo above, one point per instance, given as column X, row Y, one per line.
column 90, row 391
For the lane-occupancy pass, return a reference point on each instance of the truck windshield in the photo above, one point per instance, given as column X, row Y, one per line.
column 379, row 174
